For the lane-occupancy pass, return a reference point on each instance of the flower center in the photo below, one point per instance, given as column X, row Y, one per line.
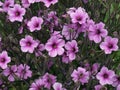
column 98, row 31
column 7, row 4
column 118, row 78
column 36, row 25
column 105, row 75
column 17, row 13
column 28, row 43
column 54, row 45
column 80, row 76
column 110, row 45
column 2, row 60
column 79, row 18
column 73, row 49
column 50, row 0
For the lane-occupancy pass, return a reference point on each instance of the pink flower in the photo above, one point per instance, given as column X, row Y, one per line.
column 25, row 3
column 16, row 13
column 49, row 80
column 39, row 49
column 100, row 87
column 71, row 10
column 10, row 72
column 96, row 32
column 105, row 76
column 118, row 87
column 7, row 4
column 49, row 2
column 35, row 23
column 65, row 58
column 55, row 46
column 1, row 4
column 23, row 71
column 69, row 33
column 58, row 86
column 4, row 59
column 28, row 44
column 116, row 81
column 79, row 16
column 37, row 84
column 80, row 75
column 33, row 1
column 72, row 49
column 109, row 45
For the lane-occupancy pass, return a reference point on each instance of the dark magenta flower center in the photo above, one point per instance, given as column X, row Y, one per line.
column 17, row 13
column 36, row 25
column 50, row 0
column 79, row 18
column 80, row 75
column 118, row 78
column 105, row 75
column 98, row 31
column 7, row 4
column 28, row 43
column 54, row 45
column 2, row 60
column 73, row 49
column 110, row 45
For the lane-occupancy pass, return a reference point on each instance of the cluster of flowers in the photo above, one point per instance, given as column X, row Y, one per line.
column 61, row 43
column 46, row 81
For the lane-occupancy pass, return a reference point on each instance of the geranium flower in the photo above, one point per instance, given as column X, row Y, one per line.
column 80, row 75
column 49, row 80
column 55, row 46
column 35, row 23
column 7, row 4
column 72, row 49
column 96, row 32
column 10, row 72
column 79, row 16
column 105, row 76
column 23, row 71
column 58, row 86
column 4, row 59
column 28, row 44
column 16, row 13
column 49, row 2
column 109, row 45
column 37, row 84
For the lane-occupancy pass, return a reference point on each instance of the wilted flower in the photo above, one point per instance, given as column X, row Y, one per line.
column 16, row 13
column 23, row 71
column 96, row 32
column 109, row 45
column 37, row 84
column 35, row 23
column 69, row 32
column 28, row 44
column 4, row 59
column 105, row 76
column 39, row 49
column 10, row 72
column 49, row 80
column 72, row 49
